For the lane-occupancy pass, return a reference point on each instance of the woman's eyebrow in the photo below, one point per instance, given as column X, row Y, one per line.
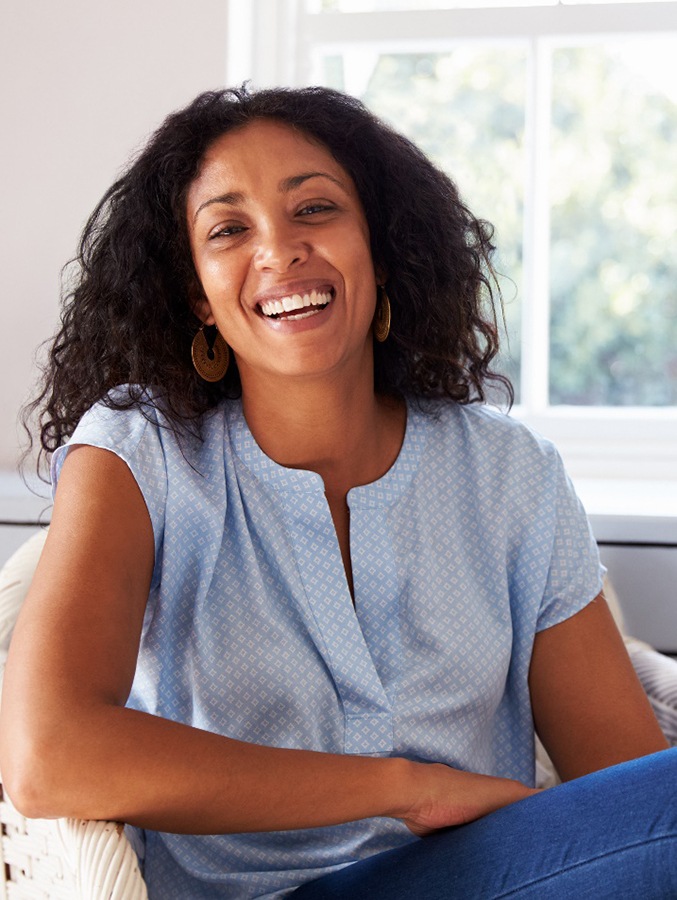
column 290, row 184
column 229, row 199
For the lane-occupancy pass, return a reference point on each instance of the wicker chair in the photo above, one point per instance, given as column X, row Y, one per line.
column 63, row 859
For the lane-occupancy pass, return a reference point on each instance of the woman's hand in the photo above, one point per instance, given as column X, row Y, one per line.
column 446, row 797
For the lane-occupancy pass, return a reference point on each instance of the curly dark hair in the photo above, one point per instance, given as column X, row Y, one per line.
column 127, row 317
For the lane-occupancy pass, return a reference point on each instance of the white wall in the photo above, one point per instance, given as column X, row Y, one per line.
column 81, row 83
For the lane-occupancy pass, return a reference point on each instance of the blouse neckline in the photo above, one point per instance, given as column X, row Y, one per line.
column 382, row 492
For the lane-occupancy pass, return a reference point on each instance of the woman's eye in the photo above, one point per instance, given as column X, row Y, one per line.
column 227, row 231
column 313, row 208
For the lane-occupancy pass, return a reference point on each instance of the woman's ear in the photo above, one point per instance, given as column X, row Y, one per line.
column 202, row 309
column 381, row 274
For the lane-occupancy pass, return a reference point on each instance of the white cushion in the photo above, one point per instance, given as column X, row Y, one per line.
column 15, row 578
column 658, row 674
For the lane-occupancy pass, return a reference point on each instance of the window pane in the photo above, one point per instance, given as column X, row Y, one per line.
column 465, row 109
column 614, row 221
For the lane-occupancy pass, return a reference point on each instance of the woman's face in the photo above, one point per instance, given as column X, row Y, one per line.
column 281, row 247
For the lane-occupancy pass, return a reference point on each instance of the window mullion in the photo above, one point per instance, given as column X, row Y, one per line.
column 262, row 42
column 536, row 294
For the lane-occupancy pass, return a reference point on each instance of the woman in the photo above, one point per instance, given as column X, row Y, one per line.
column 301, row 598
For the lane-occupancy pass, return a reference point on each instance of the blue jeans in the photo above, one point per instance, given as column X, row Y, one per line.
column 612, row 834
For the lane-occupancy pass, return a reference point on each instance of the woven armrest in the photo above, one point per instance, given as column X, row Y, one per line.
column 33, row 857
column 63, row 859
column 66, row 859
column 103, row 860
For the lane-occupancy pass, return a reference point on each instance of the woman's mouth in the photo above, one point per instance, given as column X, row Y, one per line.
column 297, row 306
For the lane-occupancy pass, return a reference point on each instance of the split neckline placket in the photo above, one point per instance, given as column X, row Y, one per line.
column 360, row 643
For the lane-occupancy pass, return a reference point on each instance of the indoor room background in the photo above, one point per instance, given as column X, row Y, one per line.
column 559, row 122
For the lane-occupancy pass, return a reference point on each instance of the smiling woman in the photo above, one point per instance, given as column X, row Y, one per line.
column 276, row 226
column 304, row 598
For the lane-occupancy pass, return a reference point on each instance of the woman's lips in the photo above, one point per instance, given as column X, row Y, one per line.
column 297, row 305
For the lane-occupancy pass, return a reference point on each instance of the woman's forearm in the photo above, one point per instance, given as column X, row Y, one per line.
column 116, row 763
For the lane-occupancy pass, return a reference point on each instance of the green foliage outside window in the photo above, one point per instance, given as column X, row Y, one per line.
column 613, row 233
column 613, row 198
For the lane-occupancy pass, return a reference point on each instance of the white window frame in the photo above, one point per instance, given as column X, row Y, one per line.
column 271, row 42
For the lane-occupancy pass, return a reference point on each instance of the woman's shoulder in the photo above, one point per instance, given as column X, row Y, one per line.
column 124, row 410
column 128, row 409
column 480, row 429
column 133, row 422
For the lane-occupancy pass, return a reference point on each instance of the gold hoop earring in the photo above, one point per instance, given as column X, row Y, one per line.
column 210, row 355
column 382, row 317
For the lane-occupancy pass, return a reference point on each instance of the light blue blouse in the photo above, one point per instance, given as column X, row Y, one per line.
column 471, row 543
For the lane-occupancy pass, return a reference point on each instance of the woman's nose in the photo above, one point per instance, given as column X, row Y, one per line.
column 279, row 248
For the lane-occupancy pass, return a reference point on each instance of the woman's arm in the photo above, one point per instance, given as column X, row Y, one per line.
column 69, row 747
column 589, row 708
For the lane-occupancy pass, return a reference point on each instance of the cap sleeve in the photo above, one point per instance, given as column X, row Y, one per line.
column 575, row 574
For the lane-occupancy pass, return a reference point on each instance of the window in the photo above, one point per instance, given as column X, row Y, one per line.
column 558, row 122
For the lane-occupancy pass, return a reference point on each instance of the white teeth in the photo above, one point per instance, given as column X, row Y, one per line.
column 295, row 301
column 303, row 315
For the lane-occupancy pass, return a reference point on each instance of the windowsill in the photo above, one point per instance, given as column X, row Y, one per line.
column 615, row 448
column 626, row 511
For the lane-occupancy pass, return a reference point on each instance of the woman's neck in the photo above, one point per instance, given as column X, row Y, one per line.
column 344, row 432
